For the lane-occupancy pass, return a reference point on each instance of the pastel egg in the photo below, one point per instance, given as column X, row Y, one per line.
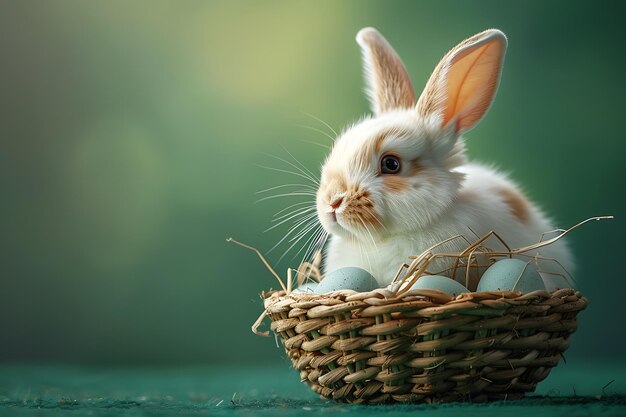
column 348, row 278
column 511, row 275
column 306, row 287
column 437, row 282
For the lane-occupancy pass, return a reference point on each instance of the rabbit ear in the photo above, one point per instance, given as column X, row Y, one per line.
column 388, row 83
column 464, row 83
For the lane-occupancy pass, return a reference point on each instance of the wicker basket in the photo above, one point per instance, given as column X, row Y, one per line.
column 398, row 344
column 424, row 346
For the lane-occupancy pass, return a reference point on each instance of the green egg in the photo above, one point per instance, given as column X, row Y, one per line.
column 348, row 278
column 437, row 282
column 511, row 275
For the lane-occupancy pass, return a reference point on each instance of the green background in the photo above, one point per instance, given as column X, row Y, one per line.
column 131, row 135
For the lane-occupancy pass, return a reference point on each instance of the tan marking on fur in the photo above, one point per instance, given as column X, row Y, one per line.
column 415, row 167
column 395, row 183
column 394, row 131
column 337, row 179
column 368, row 153
column 516, row 202
column 369, row 217
column 391, row 86
column 378, row 141
column 359, row 211
column 334, row 184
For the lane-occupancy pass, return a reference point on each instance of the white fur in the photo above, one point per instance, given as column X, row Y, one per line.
column 476, row 209
column 446, row 197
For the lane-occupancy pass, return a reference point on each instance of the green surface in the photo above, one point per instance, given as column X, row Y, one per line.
column 571, row 390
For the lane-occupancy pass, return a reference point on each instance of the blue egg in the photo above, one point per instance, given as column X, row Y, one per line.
column 348, row 278
column 511, row 275
column 437, row 282
column 306, row 287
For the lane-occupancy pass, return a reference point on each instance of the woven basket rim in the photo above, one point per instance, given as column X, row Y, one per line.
column 383, row 296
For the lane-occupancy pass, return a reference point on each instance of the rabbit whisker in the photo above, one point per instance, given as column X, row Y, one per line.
column 368, row 231
column 371, row 237
column 301, row 203
column 321, row 121
column 305, row 186
column 304, row 168
column 289, row 218
column 292, row 230
column 318, row 244
column 306, row 174
column 289, row 172
column 314, row 143
column 294, row 194
column 302, row 235
column 316, row 130
column 364, row 255
column 298, row 211
column 309, row 227
column 312, row 238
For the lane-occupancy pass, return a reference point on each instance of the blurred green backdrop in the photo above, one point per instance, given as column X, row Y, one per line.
column 131, row 135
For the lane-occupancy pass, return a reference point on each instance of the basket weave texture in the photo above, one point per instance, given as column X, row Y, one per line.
column 424, row 346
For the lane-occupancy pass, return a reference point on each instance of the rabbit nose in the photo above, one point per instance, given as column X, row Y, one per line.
column 335, row 204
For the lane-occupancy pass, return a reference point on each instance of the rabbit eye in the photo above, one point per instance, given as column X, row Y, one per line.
column 390, row 165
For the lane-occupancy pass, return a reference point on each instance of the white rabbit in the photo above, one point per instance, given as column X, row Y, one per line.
column 398, row 182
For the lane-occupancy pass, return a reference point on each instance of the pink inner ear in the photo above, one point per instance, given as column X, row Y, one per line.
column 471, row 82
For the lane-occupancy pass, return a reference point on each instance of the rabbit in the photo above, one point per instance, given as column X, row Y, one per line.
column 398, row 182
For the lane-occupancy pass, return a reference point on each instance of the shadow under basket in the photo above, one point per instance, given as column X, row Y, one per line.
column 424, row 346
